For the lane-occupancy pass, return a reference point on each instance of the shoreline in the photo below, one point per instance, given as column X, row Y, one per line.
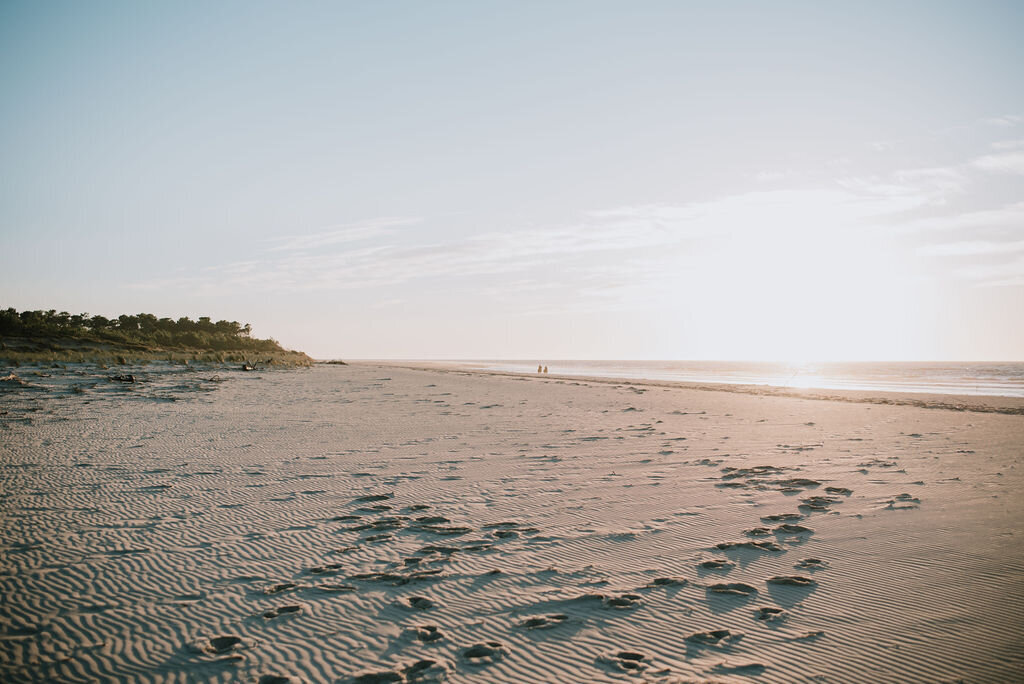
column 948, row 402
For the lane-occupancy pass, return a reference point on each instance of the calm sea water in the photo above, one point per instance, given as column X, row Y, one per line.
column 991, row 379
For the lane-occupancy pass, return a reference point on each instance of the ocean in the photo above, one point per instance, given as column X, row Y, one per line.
column 981, row 379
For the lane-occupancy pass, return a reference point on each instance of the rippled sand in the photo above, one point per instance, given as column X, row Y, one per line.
column 378, row 524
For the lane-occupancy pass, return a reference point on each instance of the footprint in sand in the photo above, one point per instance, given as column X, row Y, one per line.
column 278, row 588
column 753, row 545
column 770, row 614
column 220, row 645
column 812, row 564
column 877, row 463
column 787, row 528
column 420, row 603
column 425, row 670
column 624, row 661
column 740, row 669
column 718, row 637
column 281, row 610
column 543, row 622
column 623, row 602
column 716, row 565
column 818, row 503
column 668, row 582
column 425, row 633
column 791, row 581
column 484, row 653
column 391, row 578
column 369, row 498
column 432, row 520
column 386, row 677
column 733, row 589
column 755, row 471
column 902, row 502
column 780, row 517
column 439, row 550
column 797, row 483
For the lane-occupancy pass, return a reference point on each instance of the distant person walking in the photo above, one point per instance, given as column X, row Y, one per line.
column 545, row 369
column 538, row 369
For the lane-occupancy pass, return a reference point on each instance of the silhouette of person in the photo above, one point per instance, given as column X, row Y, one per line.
column 545, row 369
column 538, row 369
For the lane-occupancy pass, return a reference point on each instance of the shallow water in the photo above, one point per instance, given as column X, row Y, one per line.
column 978, row 379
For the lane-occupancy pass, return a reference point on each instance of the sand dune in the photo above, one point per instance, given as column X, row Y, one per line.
column 389, row 524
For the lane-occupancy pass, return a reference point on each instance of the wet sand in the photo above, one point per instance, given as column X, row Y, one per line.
column 385, row 523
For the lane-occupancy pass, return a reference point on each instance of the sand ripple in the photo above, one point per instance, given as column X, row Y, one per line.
column 361, row 524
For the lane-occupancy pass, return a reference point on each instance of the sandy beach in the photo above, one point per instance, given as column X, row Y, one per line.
column 378, row 523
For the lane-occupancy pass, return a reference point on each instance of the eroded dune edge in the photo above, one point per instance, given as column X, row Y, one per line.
column 386, row 523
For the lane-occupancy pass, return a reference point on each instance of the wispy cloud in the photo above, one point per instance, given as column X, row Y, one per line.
column 1001, row 219
column 1004, row 121
column 613, row 253
column 936, row 180
column 1008, row 145
column 295, row 266
column 985, row 248
column 589, row 256
column 770, row 176
column 1007, row 162
column 352, row 232
column 972, row 248
column 1006, row 273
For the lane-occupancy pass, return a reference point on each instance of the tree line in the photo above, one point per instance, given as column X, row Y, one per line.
column 141, row 329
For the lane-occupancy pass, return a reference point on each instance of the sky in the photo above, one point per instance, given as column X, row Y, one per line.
column 797, row 181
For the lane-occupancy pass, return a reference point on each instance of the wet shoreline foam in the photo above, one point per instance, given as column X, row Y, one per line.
column 379, row 523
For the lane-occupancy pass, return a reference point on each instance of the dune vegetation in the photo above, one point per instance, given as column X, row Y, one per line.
column 52, row 336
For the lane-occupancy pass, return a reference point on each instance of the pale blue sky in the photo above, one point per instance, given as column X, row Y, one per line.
column 723, row 180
